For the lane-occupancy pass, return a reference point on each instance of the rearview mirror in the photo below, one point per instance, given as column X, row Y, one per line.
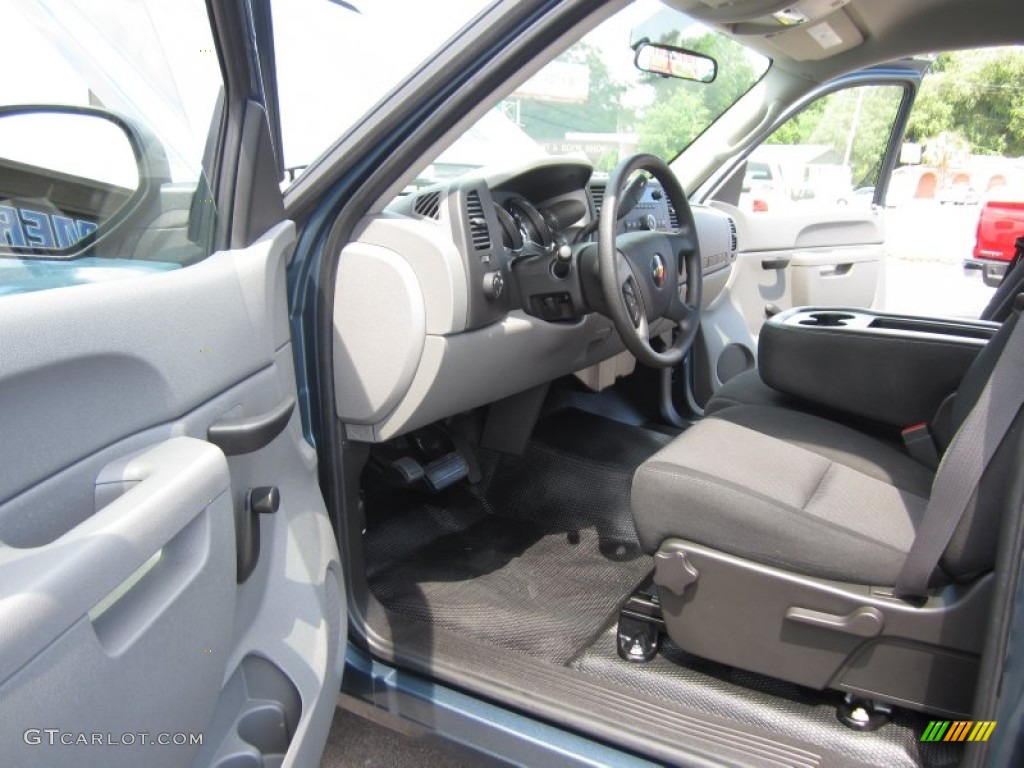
column 669, row 61
column 69, row 175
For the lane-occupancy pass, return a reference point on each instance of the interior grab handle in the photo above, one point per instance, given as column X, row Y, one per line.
column 778, row 263
column 248, row 434
column 46, row 589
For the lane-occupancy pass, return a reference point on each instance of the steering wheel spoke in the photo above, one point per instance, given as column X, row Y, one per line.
column 680, row 312
column 683, row 240
column 641, row 272
column 634, row 301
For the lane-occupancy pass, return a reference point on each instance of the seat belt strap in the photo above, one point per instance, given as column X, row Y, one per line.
column 964, row 463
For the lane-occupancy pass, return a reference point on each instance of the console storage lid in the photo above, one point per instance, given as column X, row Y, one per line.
column 893, row 369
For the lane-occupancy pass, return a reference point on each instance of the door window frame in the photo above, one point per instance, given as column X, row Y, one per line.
column 908, row 77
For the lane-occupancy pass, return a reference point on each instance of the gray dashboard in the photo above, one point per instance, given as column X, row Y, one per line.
column 446, row 300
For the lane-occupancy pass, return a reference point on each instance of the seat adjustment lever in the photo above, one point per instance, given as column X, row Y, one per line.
column 863, row 622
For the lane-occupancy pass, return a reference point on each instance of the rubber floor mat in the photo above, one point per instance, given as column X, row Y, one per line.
column 675, row 676
column 535, row 558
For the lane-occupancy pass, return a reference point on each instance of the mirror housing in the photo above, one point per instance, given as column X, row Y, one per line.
column 670, row 61
column 71, row 175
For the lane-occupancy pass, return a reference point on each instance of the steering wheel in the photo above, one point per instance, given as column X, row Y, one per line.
column 641, row 271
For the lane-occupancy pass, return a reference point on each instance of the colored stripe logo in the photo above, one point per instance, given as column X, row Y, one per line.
column 958, row 730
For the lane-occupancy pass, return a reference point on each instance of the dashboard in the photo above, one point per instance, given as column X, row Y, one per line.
column 466, row 292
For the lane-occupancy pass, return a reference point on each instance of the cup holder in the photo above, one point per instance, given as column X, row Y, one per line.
column 827, row 319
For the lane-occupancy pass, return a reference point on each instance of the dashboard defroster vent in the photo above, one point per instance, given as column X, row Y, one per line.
column 478, row 228
column 597, row 197
column 428, row 205
column 734, row 242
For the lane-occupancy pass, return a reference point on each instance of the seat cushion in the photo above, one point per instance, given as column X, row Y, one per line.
column 748, row 388
column 869, row 454
column 784, row 489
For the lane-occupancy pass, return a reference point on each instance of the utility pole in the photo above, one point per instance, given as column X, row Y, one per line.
column 853, row 127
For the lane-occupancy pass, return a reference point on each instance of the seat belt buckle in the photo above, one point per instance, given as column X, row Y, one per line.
column 918, row 441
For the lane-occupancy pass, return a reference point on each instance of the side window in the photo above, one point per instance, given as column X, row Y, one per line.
column 955, row 204
column 101, row 145
column 829, row 154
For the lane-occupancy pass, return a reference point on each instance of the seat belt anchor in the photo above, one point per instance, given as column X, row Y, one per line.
column 918, row 441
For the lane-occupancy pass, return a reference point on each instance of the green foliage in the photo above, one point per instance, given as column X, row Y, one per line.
column 681, row 110
column 677, row 114
column 672, row 121
column 800, row 128
column 977, row 94
column 855, row 122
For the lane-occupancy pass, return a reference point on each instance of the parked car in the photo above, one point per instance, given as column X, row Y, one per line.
column 571, row 458
column 1000, row 223
column 862, row 196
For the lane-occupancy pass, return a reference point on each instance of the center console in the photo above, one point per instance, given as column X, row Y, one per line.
column 893, row 369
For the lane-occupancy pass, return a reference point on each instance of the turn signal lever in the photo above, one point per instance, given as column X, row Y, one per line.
column 632, row 195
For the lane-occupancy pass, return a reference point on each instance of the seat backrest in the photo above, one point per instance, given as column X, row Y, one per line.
column 972, row 550
column 1000, row 305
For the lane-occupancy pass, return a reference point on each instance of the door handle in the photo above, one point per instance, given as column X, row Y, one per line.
column 248, row 434
column 778, row 263
column 865, row 621
column 835, row 270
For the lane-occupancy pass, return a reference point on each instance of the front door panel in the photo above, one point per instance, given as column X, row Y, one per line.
column 121, row 611
column 831, row 258
column 810, row 231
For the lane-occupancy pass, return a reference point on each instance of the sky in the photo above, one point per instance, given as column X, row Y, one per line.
column 333, row 64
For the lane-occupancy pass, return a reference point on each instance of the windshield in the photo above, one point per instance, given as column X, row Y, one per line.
column 593, row 103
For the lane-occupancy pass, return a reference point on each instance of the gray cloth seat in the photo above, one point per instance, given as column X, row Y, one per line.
column 748, row 388
column 787, row 489
column 798, row 491
column 779, row 539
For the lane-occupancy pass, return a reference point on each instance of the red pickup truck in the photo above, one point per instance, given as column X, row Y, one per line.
column 1000, row 223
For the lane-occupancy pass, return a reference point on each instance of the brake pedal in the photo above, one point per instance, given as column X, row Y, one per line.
column 445, row 471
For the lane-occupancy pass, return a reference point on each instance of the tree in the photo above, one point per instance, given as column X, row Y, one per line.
column 671, row 123
column 681, row 109
column 855, row 122
column 978, row 94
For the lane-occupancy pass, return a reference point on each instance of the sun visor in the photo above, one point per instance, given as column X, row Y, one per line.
column 805, row 30
column 815, row 40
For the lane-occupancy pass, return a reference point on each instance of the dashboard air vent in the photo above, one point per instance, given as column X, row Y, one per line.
column 734, row 243
column 597, row 197
column 478, row 228
column 428, row 205
column 673, row 220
